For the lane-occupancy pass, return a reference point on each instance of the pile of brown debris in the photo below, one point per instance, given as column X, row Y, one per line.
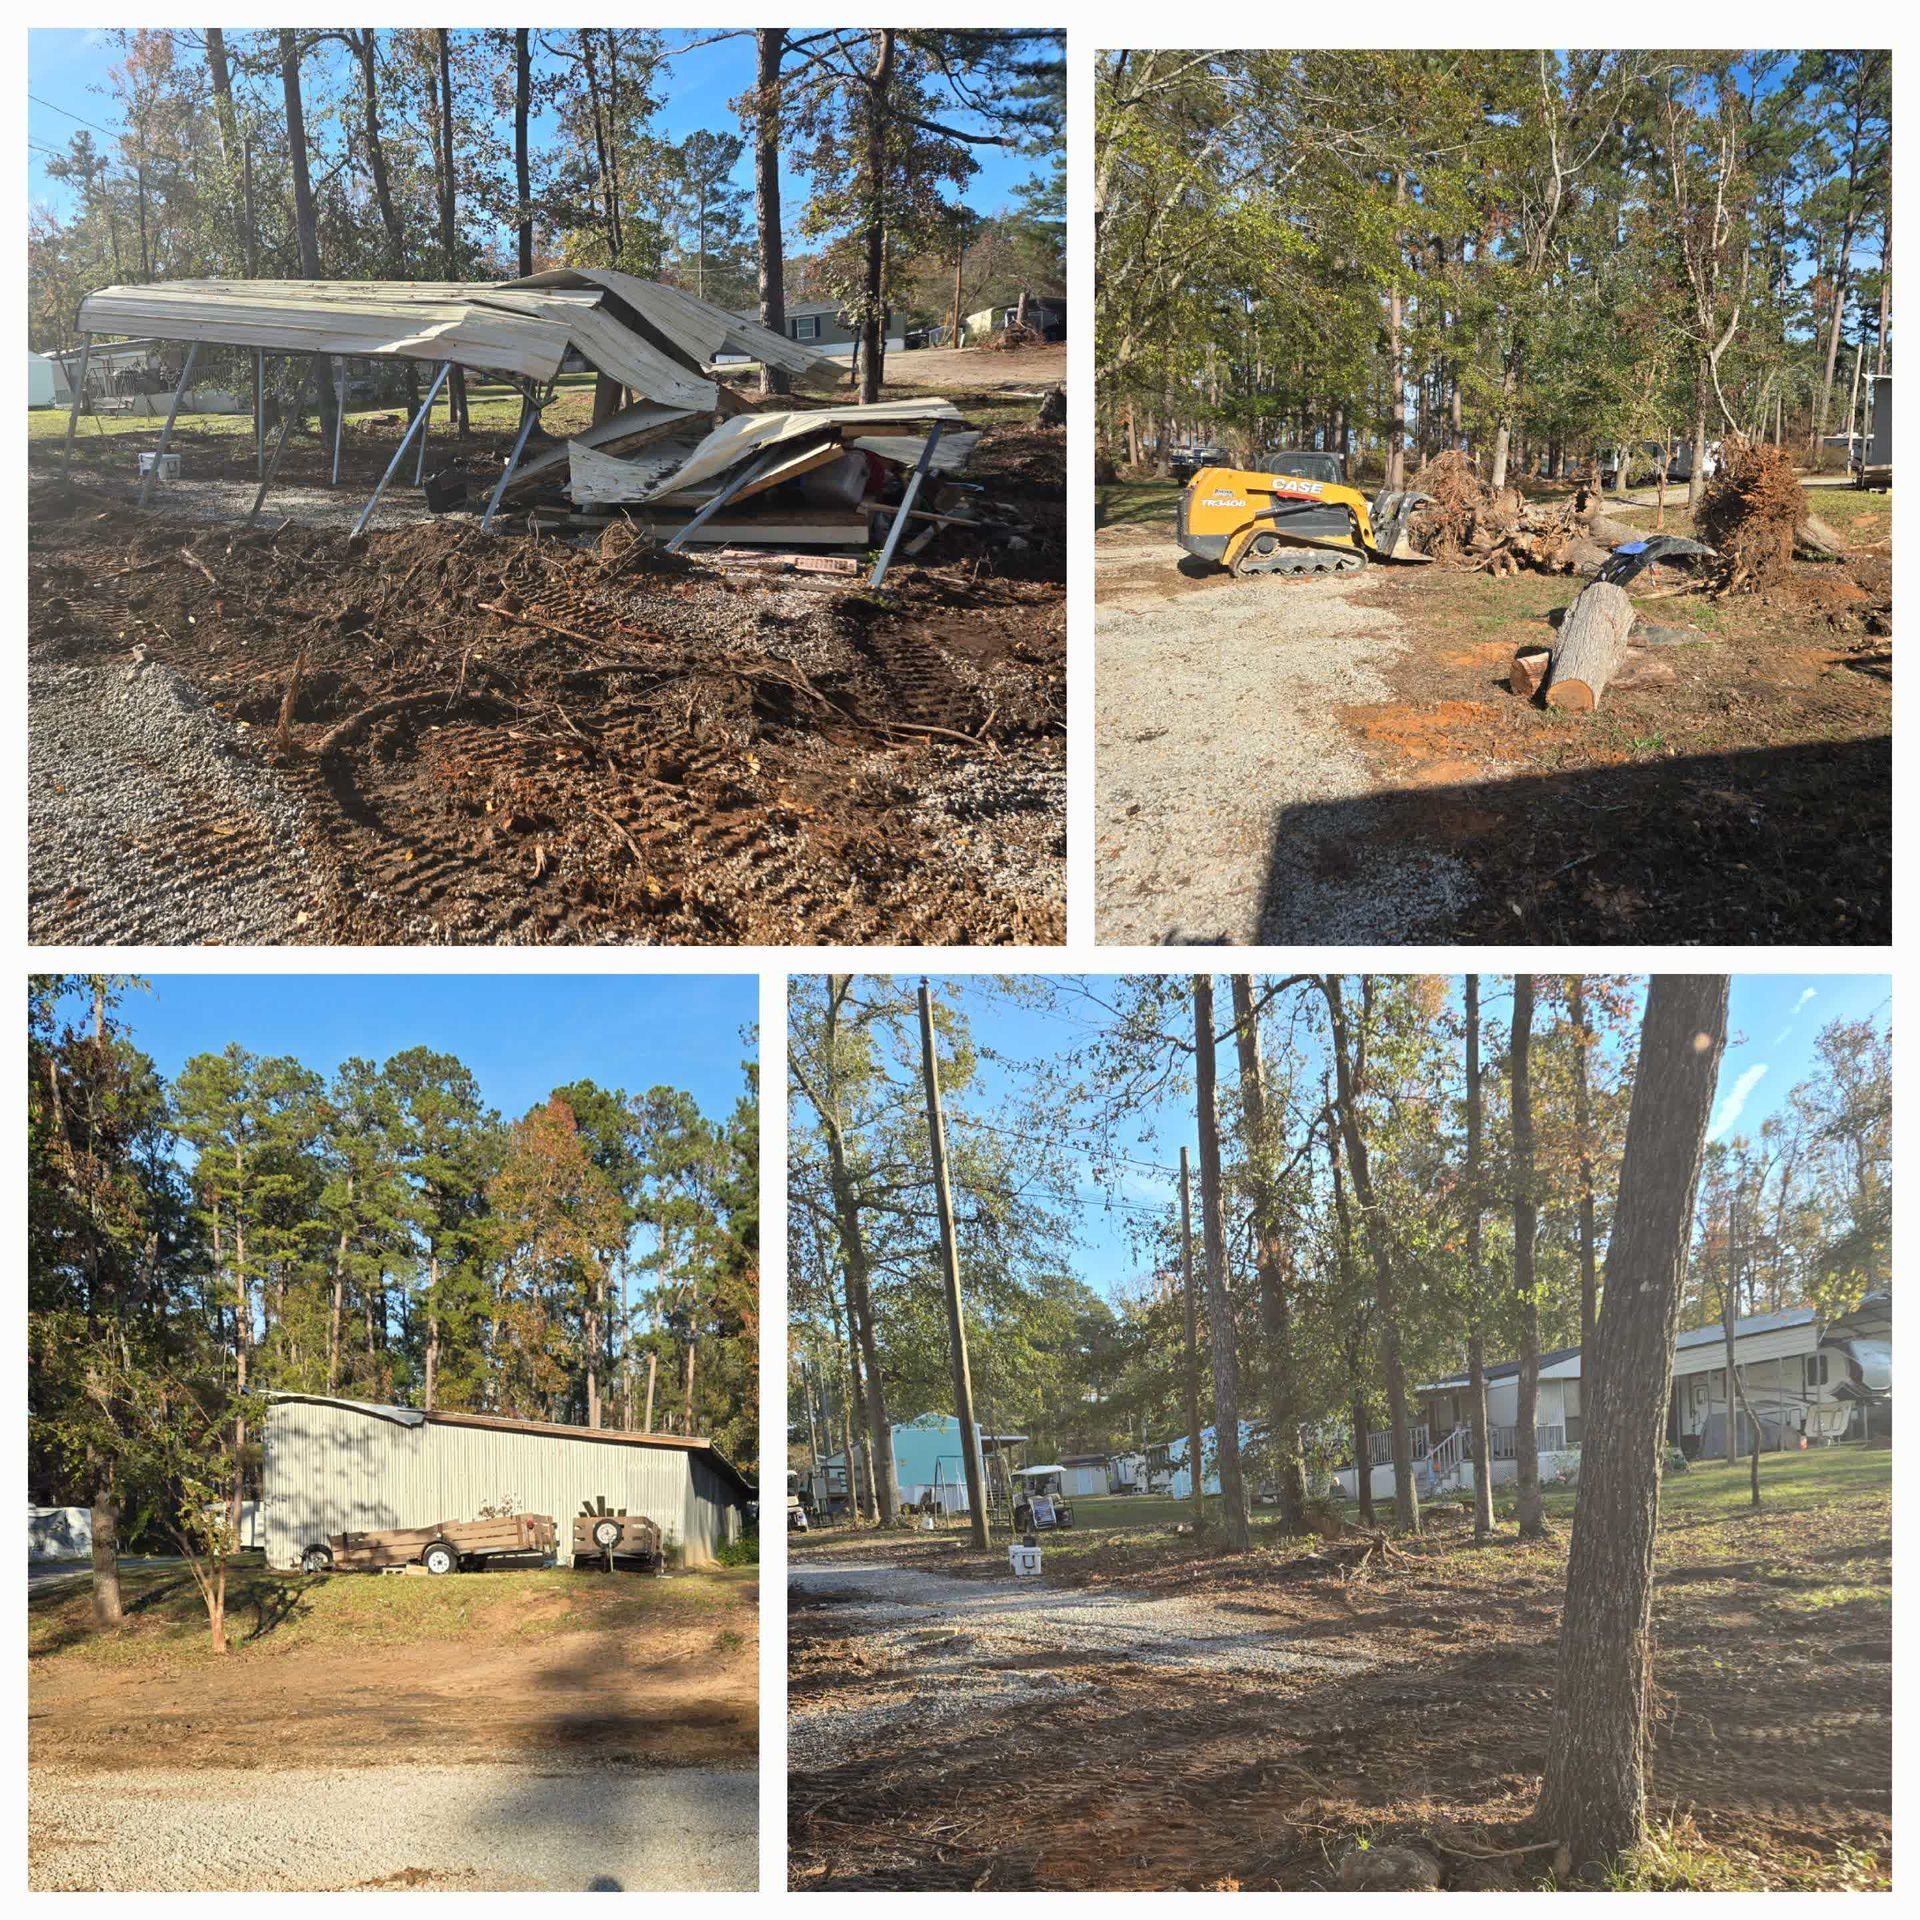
column 1472, row 525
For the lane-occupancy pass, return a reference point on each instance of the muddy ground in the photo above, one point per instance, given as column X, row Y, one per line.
column 1340, row 760
column 553, row 743
column 1163, row 1719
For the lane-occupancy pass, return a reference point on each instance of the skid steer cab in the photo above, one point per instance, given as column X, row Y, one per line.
column 1298, row 525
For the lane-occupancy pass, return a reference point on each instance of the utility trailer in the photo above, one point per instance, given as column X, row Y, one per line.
column 617, row 1541
column 450, row 1546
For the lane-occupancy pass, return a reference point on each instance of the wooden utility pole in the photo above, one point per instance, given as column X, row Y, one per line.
column 1476, row 1338
column 1196, row 1493
column 1526, row 1228
column 950, row 1270
column 1593, row 1799
column 1213, row 1239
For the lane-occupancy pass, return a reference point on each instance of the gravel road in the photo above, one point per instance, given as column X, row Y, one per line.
column 474, row 1829
column 1228, row 789
column 946, row 1648
column 215, row 503
column 145, row 825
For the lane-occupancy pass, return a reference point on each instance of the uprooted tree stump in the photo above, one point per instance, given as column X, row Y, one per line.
column 1590, row 648
column 1752, row 514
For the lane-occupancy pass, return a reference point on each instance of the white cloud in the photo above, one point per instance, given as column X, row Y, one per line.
column 1733, row 1103
column 1806, row 994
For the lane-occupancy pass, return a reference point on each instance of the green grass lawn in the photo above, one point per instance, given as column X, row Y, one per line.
column 1136, row 503
column 288, row 1612
column 493, row 407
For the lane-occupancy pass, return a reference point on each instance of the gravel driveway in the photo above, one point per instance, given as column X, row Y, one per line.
column 144, row 823
column 484, row 1828
column 1229, row 791
column 948, row 1648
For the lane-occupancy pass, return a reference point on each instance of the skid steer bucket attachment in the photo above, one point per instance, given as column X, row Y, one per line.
column 1390, row 515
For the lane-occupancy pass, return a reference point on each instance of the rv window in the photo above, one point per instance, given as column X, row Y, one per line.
column 1816, row 1365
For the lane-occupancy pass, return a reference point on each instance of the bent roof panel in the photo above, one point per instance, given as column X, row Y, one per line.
column 357, row 322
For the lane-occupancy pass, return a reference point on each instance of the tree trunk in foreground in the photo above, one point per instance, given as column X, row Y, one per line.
column 1591, row 646
column 1526, row 1228
column 873, row 313
column 770, row 43
column 107, row 1611
column 1226, row 1371
column 1593, row 1799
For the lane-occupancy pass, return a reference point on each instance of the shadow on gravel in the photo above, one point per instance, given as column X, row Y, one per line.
column 1775, row 846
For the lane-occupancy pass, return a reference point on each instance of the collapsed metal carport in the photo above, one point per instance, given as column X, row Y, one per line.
column 640, row 335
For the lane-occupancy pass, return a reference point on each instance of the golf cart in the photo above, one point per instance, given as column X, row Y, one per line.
column 1040, row 1503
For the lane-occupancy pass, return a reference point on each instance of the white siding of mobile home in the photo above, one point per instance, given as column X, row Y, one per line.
column 335, row 1466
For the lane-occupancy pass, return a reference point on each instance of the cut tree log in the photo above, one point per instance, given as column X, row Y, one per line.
column 1815, row 536
column 1529, row 672
column 1590, row 647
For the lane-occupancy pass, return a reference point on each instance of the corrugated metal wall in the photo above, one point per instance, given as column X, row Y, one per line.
column 334, row 1469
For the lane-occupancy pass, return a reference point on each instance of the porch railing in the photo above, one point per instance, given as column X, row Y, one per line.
column 1442, row 1460
column 1380, row 1445
column 1500, row 1440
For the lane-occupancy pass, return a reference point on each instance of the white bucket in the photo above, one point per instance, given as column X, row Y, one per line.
column 169, row 465
column 1025, row 1561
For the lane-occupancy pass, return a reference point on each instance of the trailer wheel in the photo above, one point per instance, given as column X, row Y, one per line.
column 606, row 1534
column 317, row 1560
column 441, row 1557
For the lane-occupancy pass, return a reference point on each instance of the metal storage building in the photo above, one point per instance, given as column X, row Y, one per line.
column 335, row 1466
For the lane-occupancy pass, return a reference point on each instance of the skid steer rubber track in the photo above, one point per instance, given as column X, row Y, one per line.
column 1269, row 555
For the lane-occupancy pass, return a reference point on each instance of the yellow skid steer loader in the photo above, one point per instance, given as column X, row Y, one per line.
column 1292, row 523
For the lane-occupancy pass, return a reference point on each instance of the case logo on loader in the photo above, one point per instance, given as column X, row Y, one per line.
column 1292, row 483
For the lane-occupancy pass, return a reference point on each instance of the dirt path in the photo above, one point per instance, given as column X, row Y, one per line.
column 960, row 1647
column 402, row 1825
column 1174, row 1719
column 1018, row 369
column 1218, row 718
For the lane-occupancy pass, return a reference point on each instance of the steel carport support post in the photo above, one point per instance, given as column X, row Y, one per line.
column 529, row 413
column 420, row 460
column 166, row 432
column 906, row 506
column 339, row 413
column 745, row 477
column 279, row 447
column 260, row 412
column 400, row 452
column 79, row 395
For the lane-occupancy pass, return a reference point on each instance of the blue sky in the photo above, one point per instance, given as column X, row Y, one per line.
column 521, row 1035
column 1773, row 1020
column 67, row 68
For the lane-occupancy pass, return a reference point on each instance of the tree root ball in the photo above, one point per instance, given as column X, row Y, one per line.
column 1749, row 514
